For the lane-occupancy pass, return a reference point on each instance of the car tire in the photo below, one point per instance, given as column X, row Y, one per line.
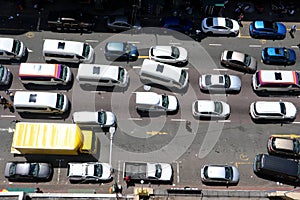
column 209, row 33
column 232, row 35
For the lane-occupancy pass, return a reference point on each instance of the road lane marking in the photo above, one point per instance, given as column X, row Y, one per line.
column 119, row 170
column 295, row 122
column 7, row 116
column 177, row 163
column 135, row 119
column 286, row 135
column 295, row 47
column 243, row 163
column 29, row 50
column 227, row 120
column 178, row 120
column 245, row 36
column 175, row 43
column 143, row 57
column 136, row 67
column 217, row 69
column 156, row 133
column 134, row 42
column 16, row 89
column 95, row 41
column 10, row 130
column 217, row 45
column 255, row 45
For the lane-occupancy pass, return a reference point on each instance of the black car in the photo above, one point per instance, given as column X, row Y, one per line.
column 121, row 51
column 71, row 20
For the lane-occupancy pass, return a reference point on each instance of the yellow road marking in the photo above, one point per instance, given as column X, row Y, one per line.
column 156, row 133
column 244, row 36
column 243, row 163
column 287, row 135
column 143, row 57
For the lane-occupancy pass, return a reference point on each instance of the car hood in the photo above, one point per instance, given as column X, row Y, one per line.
column 236, row 26
column 291, row 110
column 110, row 118
column 281, row 28
column 236, row 174
column 226, row 108
column 106, row 171
column 292, row 54
column 183, row 54
column 253, row 64
column 173, row 103
column 45, row 170
column 235, row 82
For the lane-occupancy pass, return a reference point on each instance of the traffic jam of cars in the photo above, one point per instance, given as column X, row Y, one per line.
column 164, row 66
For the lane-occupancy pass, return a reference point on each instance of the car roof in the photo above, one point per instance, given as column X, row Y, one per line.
column 115, row 46
column 216, row 79
column 276, row 51
column 6, row 44
column 267, row 107
column 63, row 46
column 162, row 50
column 235, row 55
column 283, row 143
column 277, row 76
column 36, row 98
column 214, row 171
column 150, row 98
column 205, row 106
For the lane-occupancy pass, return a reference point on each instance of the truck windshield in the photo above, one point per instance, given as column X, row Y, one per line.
column 121, row 74
column 16, row 47
column 63, row 72
column 98, row 170
column 165, row 101
column 86, row 50
column 101, row 117
column 60, row 101
column 158, row 170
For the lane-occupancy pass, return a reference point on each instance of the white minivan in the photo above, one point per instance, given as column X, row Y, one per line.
column 67, row 51
column 151, row 101
column 44, row 74
column 102, row 75
column 163, row 74
column 11, row 49
column 40, row 102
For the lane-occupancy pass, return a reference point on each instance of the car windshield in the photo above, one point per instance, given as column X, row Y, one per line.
column 33, row 169
column 175, row 52
column 86, row 50
column 121, row 74
column 282, row 108
column 12, row 169
column 208, row 79
column 218, row 107
column 228, row 173
column 101, row 117
column 229, row 23
column 158, row 170
column 296, row 146
column 165, row 101
column 98, row 170
column 271, row 25
column 247, row 60
column 59, row 101
column 16, row 47
column 63, row 72
column 226, row 81
column 209, row 21
column 182, row 77
column 1, row 71
column 127, row 48
column 286, row 53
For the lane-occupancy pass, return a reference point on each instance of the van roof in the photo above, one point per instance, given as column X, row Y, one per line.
column 96, row 71
column 6, row 44
column 35, row 98
column 39, row 69
column 63, row 46
column 277, row 76
column 278, row 164
column 149, row 98
column 157, row 68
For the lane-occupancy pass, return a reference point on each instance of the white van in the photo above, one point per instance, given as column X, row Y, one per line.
column 40, row 102
column 163, row 74
column 44, row 74
column 102, row 75
column 11, row 49
column 276, row 80
column 67, row 51
column 150, row 101
column 5, row 75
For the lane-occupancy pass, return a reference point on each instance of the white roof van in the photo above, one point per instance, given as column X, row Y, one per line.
column 102, row 75
column 11, row 49
column 67, row 51
column 163, row 74
column 150, row 101
column 40, row 102
column 44, row 74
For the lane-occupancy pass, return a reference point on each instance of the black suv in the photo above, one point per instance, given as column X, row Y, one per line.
column 71, row 20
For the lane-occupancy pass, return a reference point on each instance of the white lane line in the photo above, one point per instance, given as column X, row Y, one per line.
column 10, row 130
column 29, row 50
column 216, row 69
column 295, row 47
column 134, row 42
column 255, row 45
column 175, row 43
column 217, row 45
column 185, row 68
column 178, row 120
column 178, row 180
column 295, row 122
column 119, row 170
column 136, row 67
column 7, row 116
column 16, row 89
column 135, row 119
column 92, row 41
column 223, row 120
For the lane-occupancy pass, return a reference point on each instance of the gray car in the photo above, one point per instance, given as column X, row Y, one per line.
column 23, row 171
column 223, row 174
column 219, row 83
column 239, row 61
column 122, row 23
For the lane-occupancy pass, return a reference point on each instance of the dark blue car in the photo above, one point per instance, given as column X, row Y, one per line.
column 177, row 24
column 121, row 51
column 267, row 30
column 278, row 55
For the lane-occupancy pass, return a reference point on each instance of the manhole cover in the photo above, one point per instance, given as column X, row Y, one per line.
column 30, row 34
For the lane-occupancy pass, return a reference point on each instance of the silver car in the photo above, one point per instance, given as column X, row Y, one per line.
column 239, row 61
column 210, row 109
column 168, row 54
column 23, row 171
column 102, row 118
column 220, row 25
column 219, row 83
column 122, row 23
column 223, row 174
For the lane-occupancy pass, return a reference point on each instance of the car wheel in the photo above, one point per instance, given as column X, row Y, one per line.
column 209, row 33
column 232, row 34
column 267, row 61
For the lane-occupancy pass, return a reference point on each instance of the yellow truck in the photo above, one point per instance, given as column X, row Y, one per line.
column 52, row 138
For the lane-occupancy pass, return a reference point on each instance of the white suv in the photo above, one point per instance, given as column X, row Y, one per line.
column 276, row 110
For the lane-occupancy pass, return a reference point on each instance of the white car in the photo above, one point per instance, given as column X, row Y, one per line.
column 274, row 110
column 220, row 25
column 12, row 49
column 91, row 171
column 220, row 174
column 102, row 118
column 210, row 109
column 220, row 83
column 169, row 54
column 150, row 101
